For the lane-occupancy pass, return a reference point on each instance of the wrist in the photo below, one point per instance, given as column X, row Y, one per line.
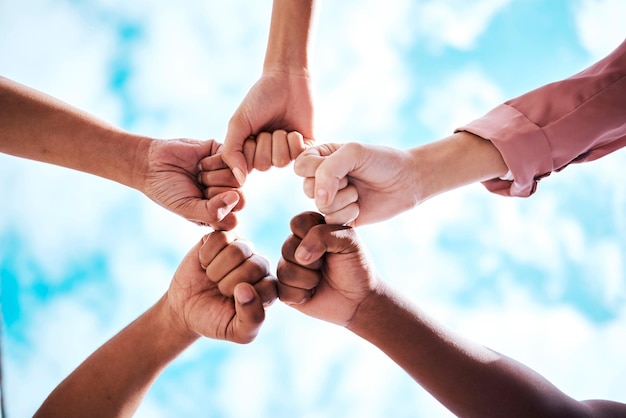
column 368, row 310
column 141, row 150
column 176, row 333
column 460, row 159
column 288, row 42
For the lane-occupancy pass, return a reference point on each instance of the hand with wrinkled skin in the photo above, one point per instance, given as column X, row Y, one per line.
column 164, row 170
column 266, row 150
column 324, row 271
column 219, row 268
column 357, row 184
column 115, row 378
column 171, row 180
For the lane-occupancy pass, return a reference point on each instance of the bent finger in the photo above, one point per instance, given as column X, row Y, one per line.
column 249, row 314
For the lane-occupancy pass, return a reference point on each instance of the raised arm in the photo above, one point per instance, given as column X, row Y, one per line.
column 509, row 149
column 281, row 98
column 349, row 181
column 115, row 378
column 36, row 126
column 326, row 273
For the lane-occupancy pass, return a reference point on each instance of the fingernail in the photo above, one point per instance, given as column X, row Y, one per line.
column 231, row 199
column 222, row 212
column 244, row 294
column 322, row 197
column 200, row 167
column 241, row 178
column 303, row 254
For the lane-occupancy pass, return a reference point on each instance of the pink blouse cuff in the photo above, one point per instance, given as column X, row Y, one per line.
column 523, row 146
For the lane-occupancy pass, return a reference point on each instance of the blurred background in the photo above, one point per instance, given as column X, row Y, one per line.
column 542, row 280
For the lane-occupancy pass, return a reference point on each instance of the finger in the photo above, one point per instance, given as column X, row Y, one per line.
column 218, row 177
column 213, row 162
column 307, row 162
column 321, row 239
column 227, row 260
column 250, row 271
column 330, row 172
column 300, row 224
column 215, row 212
column 228, row 223
column 344, row 216
column 263, row 153
column 280, row 149
column 249, row 148
column 212, row 244
column 309, row 186
column 295, row 275
column 249, row 314
column 288, row 252
column 293, row 295
column 266, row 288
column 211, row 192
column 238, row 131
column 296, row 145
column 343, row 198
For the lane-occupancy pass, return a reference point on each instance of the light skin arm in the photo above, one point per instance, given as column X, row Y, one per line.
column 36, row 126
column 116, row 377
column 348, row 181
column 326, row 273
column 281, row 98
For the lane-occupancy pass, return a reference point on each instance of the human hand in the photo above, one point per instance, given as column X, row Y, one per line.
column 171, row 181
column 357, row 184
column 276, row 149
column 324, row 271
column 220, row 289
column 278, row 100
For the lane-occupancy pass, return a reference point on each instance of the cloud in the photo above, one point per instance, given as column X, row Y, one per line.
column 180, row 70
column 453, row 23
column 473, row 95
column 600, row 25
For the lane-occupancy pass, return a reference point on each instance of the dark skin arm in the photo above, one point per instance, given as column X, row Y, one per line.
column 326, row 273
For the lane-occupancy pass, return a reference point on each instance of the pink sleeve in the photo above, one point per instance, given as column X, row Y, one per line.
column 581, row 118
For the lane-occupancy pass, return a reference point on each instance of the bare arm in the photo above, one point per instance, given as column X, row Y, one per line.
column 116, row 377
column 36, row 126
column 281, row 98
column 219, row 291
column 326, row 273
column 467, row 378
column 349, row 181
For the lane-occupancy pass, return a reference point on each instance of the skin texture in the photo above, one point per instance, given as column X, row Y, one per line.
column 281, row 98
column 348, row 181
column 36, row 126
column 326, row 273
column 115, row 378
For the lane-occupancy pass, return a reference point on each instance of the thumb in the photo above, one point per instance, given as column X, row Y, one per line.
column 330, row 173
column 249, row 314
column 215, row 212
column 232, row 152
column 324, row 238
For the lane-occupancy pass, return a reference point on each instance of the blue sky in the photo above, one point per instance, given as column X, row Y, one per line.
column 542, row 280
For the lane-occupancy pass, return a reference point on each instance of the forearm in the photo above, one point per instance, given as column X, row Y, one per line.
column 469, row 379
column 290, row 30
column 455, row 161
column 36, row 126
column 116, row 377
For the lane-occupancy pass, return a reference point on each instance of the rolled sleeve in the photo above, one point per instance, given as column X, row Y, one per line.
column 523, row 147
column 581, row 118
